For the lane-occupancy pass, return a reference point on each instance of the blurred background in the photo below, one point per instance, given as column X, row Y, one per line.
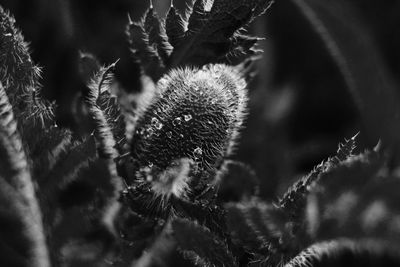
column 301, row 105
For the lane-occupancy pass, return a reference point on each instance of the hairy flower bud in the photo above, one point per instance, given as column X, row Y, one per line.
column 196, row 114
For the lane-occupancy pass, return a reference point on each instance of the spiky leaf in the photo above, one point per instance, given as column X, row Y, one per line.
column 17, row 72
column 157, row 36
column 175, row 27
column 210, row 41
column 143, row 52
column 355, row 199
column 115, row 119
column 294, row 200
column 106, row 142
column 197, row 17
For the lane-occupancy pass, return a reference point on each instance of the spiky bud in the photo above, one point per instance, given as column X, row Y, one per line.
column 17, row 71
column 196, row 114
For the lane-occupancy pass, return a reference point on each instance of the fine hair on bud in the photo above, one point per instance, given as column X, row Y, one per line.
column 195, row 114
column 174, row 180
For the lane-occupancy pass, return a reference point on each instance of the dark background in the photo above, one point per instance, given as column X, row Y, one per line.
column 300, row 107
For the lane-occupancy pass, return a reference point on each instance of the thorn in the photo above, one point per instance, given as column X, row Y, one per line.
column 151, row 4
column 115, row 63
column 172, row 3
column 130, row 19
column 378, row 146
column 355, row 136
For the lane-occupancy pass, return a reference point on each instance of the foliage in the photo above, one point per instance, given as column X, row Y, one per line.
column 153, row 183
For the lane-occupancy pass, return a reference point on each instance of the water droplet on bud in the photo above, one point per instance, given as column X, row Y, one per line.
column 177, row 121
column 140, row 131
column 159, row 125
column 197, row 152
column 154, row 121
column 187, row 117
column 150, row 132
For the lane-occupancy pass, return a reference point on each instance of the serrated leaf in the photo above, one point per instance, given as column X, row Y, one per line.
column 175, row 27
column 241, row 48
column 20, row 76
column 198, row 16
column 157, row 36
column 197, row 239
column 115, row 119
column 143, row 52
column 106, row 143
column 258, row 7
column 17, row 72
column 294, row 200
column 214, row 34
column 358, row 166
column 103, row 131
column 17, row 183
column 356, row 200
column 212, row 41
column 345, row 150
